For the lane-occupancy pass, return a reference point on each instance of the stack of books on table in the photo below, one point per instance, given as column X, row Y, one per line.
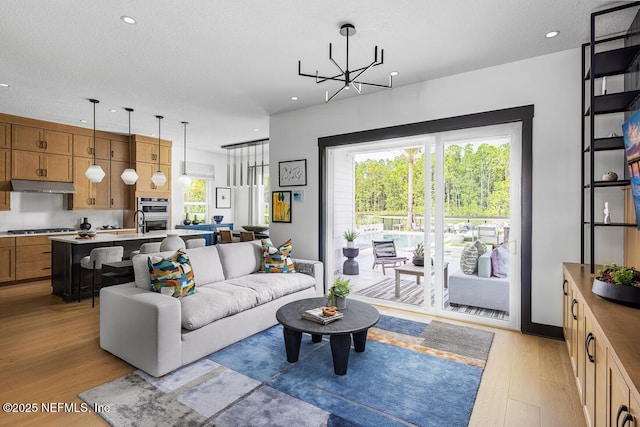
column 315, row 315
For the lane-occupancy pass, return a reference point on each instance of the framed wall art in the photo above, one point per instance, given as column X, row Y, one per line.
column 293, row 173
column 281, row 206
column 223, row 198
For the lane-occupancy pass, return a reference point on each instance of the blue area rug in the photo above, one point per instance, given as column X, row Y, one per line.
column 404, row 377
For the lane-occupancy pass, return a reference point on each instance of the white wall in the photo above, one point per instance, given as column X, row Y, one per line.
column 219, row 162
column 551, row 83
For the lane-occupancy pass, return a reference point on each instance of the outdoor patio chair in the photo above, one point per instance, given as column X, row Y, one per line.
column 384, row 253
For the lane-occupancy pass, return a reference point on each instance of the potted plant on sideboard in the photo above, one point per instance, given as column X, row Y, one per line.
column 618, row 284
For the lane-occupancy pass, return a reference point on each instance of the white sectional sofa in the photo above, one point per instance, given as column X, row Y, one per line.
column 159, row 333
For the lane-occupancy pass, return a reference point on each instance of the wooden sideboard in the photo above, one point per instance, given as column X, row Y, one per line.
column 603, row 340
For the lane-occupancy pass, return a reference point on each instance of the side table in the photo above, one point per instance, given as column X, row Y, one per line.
column 350, row 266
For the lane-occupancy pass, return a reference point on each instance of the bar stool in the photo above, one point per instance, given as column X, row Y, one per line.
column 225, row 236
column 195, row 243
column 94, row 261
column 247, row 236
column 146, row 248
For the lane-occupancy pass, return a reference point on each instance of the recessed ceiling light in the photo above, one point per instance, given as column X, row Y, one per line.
column 4, row 85
column 294, row 98
column 112, row 110
column 83, row 121
column 394, row 73
column 256, row 129
column 552, row 34
column 128, row 19
column 153, row 134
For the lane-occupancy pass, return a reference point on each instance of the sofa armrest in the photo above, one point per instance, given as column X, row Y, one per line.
column 141, row 327
column 314, row 269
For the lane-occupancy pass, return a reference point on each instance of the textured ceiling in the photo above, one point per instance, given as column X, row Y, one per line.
column 225, row 66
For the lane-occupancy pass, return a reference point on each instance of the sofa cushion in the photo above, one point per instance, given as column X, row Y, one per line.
column 239, row 259
column 207, row 267
column 277, row 259
column 469, row 259
column 213, row 302
column 484, row 264
column 172, row 276
column 500, row 261
column 269, row 287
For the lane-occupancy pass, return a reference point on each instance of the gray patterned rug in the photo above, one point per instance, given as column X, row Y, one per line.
column 410, row 291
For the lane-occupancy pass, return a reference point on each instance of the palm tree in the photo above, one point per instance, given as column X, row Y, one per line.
column 411, row 154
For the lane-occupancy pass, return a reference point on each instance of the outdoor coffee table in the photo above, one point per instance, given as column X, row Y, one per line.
column 418, row 271
column 358, row 318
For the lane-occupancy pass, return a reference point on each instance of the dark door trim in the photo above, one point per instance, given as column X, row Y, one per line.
column 522, row 114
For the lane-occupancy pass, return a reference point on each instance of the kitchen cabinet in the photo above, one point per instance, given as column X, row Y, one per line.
column 5, row 180
column 5, row 135
column 608, row 373
column 33, row 257
column 7, row 259
column 39, row 140
column 119, row 151
column 83, row 147
column 118, row 189
column 90, row 195
column 145, row 172
column 148, row 151
column 41, row 166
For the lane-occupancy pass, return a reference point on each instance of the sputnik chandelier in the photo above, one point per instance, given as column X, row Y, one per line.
column 350, row 78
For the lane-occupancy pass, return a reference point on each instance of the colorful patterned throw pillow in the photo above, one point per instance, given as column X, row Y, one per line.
column 277, row 259
column 172, row 276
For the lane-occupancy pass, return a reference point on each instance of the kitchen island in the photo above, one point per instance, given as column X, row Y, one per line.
column 67, row 277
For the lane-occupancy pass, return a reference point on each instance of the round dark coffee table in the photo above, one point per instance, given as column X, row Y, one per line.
column 358, row 318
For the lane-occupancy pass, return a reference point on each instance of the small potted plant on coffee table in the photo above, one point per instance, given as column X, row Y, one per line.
column 338, row 292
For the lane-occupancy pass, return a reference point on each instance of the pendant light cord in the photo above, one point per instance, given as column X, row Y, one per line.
column 159, row 118
column 130, row 153
column 94, row 102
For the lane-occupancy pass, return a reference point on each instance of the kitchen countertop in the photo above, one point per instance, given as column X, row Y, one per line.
column 61, row 233
column 107, row 237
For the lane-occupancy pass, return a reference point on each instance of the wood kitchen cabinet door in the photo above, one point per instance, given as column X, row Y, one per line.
column 5, row 180
column 41, row 167
column 5, row 135
column 83, row 147
column 57, row 167
column 41, row 140
column 7, row 259
column 119, row 151
column 146, row 171
column 119, row 190
column 101, row 190
column 90, row 195
column 26, row 165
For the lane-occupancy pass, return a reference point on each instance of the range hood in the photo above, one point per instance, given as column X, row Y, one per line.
column 27, row 186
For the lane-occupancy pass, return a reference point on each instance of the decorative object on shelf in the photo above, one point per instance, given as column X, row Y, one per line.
column 159, row 178
column 618, row 284
column 349, row 78
column 256, row 228
column 281, row 206
column 610, row 176
column 338, row 292
column 418, row 254
column 129, row 175
column 607, row 214
column 218, row 218
column 86, row 234
column 350, row 236
column 85, row 225
column 195, row 220
column 293, row 173
column 94, row 172
column 613, row 135
column 185, row 179
column 223, row 198
column 604, row 85
column 186, row 220
column 172, row 242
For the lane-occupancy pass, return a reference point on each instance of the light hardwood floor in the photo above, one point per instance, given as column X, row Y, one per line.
column 49, row 352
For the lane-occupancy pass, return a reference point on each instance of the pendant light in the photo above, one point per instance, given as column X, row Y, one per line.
column 129, row 175
column 185, row 179
column 94, row 172
column 159, row 179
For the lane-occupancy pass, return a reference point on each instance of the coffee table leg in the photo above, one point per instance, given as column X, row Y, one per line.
column 340, row 346
column 292, row 344
column 360, row 340
column 316, row 338
column 397, row 284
